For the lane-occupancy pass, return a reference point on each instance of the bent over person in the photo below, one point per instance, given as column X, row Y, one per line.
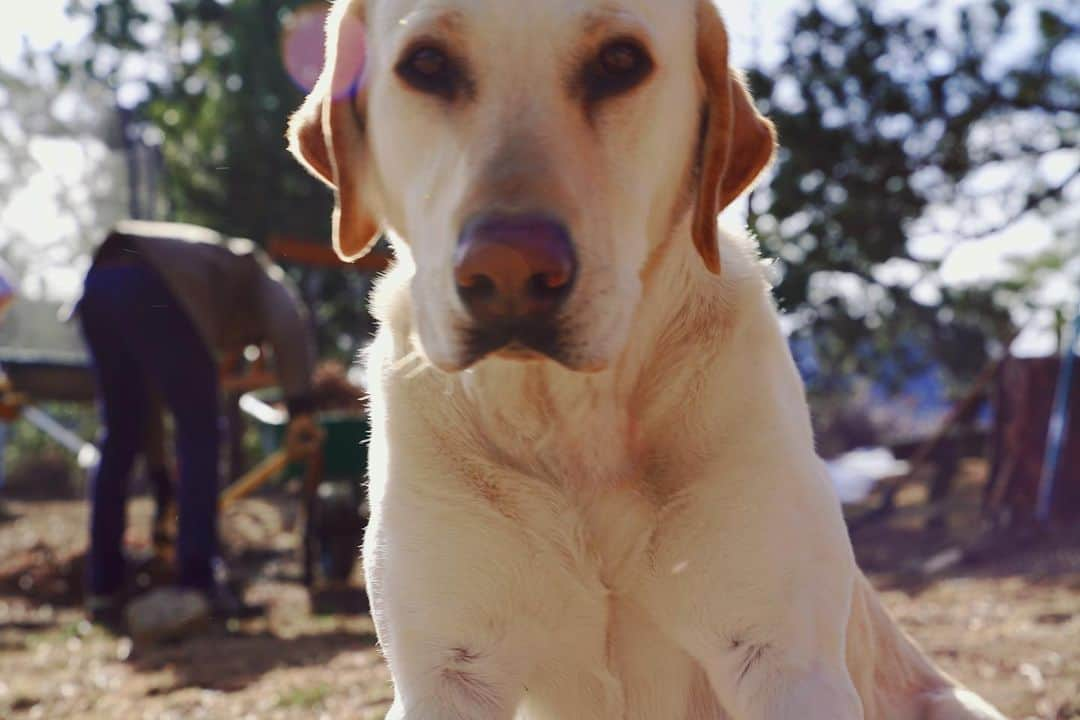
column 162, row 302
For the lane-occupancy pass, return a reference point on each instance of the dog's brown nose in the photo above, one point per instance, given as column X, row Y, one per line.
column 516, row 268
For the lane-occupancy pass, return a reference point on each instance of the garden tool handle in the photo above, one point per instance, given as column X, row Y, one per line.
column 254, row 478
column 304, row 444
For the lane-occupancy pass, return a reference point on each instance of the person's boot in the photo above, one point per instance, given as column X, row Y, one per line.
column 107, row 611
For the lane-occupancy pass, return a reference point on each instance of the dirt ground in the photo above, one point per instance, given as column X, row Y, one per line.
column 1005, row 621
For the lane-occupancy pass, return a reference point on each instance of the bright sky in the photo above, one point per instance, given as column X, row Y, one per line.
column 42, row 25
column 755, row 29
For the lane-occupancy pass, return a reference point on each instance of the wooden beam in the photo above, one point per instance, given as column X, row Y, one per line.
column 317, row 254
column 924, row 455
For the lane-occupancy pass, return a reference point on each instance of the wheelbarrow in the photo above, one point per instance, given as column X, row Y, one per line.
column 332, row 490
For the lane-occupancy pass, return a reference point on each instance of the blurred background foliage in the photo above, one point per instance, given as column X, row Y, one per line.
column 216, row 99
column 896, row 125
column 918, row 121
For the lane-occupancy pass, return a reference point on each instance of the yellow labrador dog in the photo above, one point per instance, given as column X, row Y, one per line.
column 594, row 488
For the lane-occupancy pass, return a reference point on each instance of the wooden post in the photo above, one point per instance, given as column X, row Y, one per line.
column 1059, row 418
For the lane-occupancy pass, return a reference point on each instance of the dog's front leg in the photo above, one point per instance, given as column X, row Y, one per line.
column 778, row 690
column 754, row 578
column 778, row 679
column 450, row 588
column 451, row 694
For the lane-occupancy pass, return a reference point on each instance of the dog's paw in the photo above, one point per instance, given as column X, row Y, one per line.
column 958, row 704
column 396, row 711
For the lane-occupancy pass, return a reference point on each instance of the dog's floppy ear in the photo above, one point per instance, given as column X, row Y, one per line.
column 737, row 142
column 327, row 133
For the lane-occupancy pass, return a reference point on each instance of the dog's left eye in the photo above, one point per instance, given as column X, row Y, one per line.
column 431, row 70
column 620, row 66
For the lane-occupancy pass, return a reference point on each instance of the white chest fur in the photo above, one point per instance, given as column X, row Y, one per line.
column 542, row 524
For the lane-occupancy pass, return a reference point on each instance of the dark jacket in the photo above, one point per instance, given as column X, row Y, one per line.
column 231, row 290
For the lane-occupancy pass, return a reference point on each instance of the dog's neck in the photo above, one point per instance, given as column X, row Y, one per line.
column 601, row 421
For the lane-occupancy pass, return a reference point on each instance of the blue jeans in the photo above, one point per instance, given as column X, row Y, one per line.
column 140, row 337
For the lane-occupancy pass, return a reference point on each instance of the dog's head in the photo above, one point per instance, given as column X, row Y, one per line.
column 533, row 156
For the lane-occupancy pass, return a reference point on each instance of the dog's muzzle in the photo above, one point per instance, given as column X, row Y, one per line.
column 513, row 274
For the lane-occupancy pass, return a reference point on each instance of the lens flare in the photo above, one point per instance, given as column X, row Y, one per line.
column 302, row 42
column 303, row 47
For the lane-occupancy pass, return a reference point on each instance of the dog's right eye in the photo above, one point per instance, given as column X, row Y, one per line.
column 619, row 67
column 431, row 70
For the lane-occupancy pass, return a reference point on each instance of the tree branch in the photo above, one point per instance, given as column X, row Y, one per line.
column 1033, row 201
